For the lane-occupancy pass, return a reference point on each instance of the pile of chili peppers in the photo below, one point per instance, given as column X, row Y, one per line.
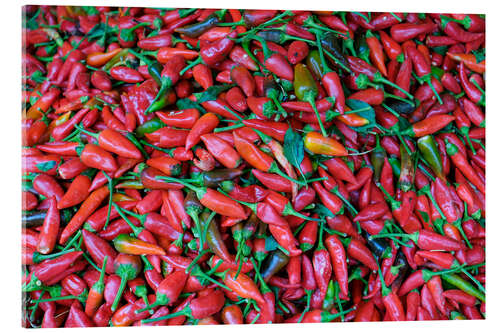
column 203, row 166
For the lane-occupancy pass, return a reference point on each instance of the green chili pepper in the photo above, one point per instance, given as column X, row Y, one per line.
column 306, row 90
column 33, row 218
column 401, row 107
column 330, row 43
column 162, row 98
column 213, row 237
column 407, row 170
column 278, row 36
column 329, row 300
column 428, row 148
column 361, row 47
column 396, row 166
column 377, row 158
column 149, row 127
column 196, row 29
column 273, row 264
column 314, row 64
column 120, row 57
column 463, row 285
column 213, row 178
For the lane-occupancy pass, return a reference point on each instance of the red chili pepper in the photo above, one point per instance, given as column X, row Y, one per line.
column 339, row 261
column 376, row 52
column 47, row 186
column 360, row 252
column 48, row 234
column 86, row 209
column 330, row 200
column 96, row 157
column 96, row 293
column 454, row 30
column 155, row 42
column 203, row 125
column 463, row 165
column 48, row 272
column 405, row 31
column 168, row 290
column 429, row 125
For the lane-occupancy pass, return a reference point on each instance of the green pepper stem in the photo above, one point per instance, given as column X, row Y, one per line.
column 233, row 113
column 229, row 128
column 182, row 182
column 338, row 62
column 326, row 69
column 470, row 276
column 426, row 190
column 346, row 202
column 428, row 81
column 37, row 257
column 199, row 272
column 140, row 56
column 308, row 304
column 198, row 61
column 73, row 240
column 388, row 108
column 184, row 312
column 231, row 24
column 275, row 169
column 135, row 230
column 123, row 284
column 465, row 132
column 383, row 80
column 386, row 94
column 195, row 260
column 310, row 98
column 288, row 210
column 166, row 84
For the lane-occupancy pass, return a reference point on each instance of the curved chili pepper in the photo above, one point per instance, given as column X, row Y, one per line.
column 319, row 144
column 48, row 234
column 86, row 209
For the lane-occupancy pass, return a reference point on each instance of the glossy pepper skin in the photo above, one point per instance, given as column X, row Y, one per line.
column 206, row 166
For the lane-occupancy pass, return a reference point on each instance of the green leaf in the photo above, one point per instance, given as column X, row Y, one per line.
column 293, row 148
column 403, row 124
column 331, row 100
column 400, row 58
column 424, row 215
column 437, row 72
column 97, row 31
column 368, row 113
column 395, row 269
column 271, row 244
column 46, row 166
column 90, row 10
column 287, row 85
column 31, row 23
column 55, row 290
column 440, row 49
column 479, row 54
column 322, row 211
column 211, row 93
column 186, row 103
column 268, row 109
column 37, row 76
column 349, row 163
